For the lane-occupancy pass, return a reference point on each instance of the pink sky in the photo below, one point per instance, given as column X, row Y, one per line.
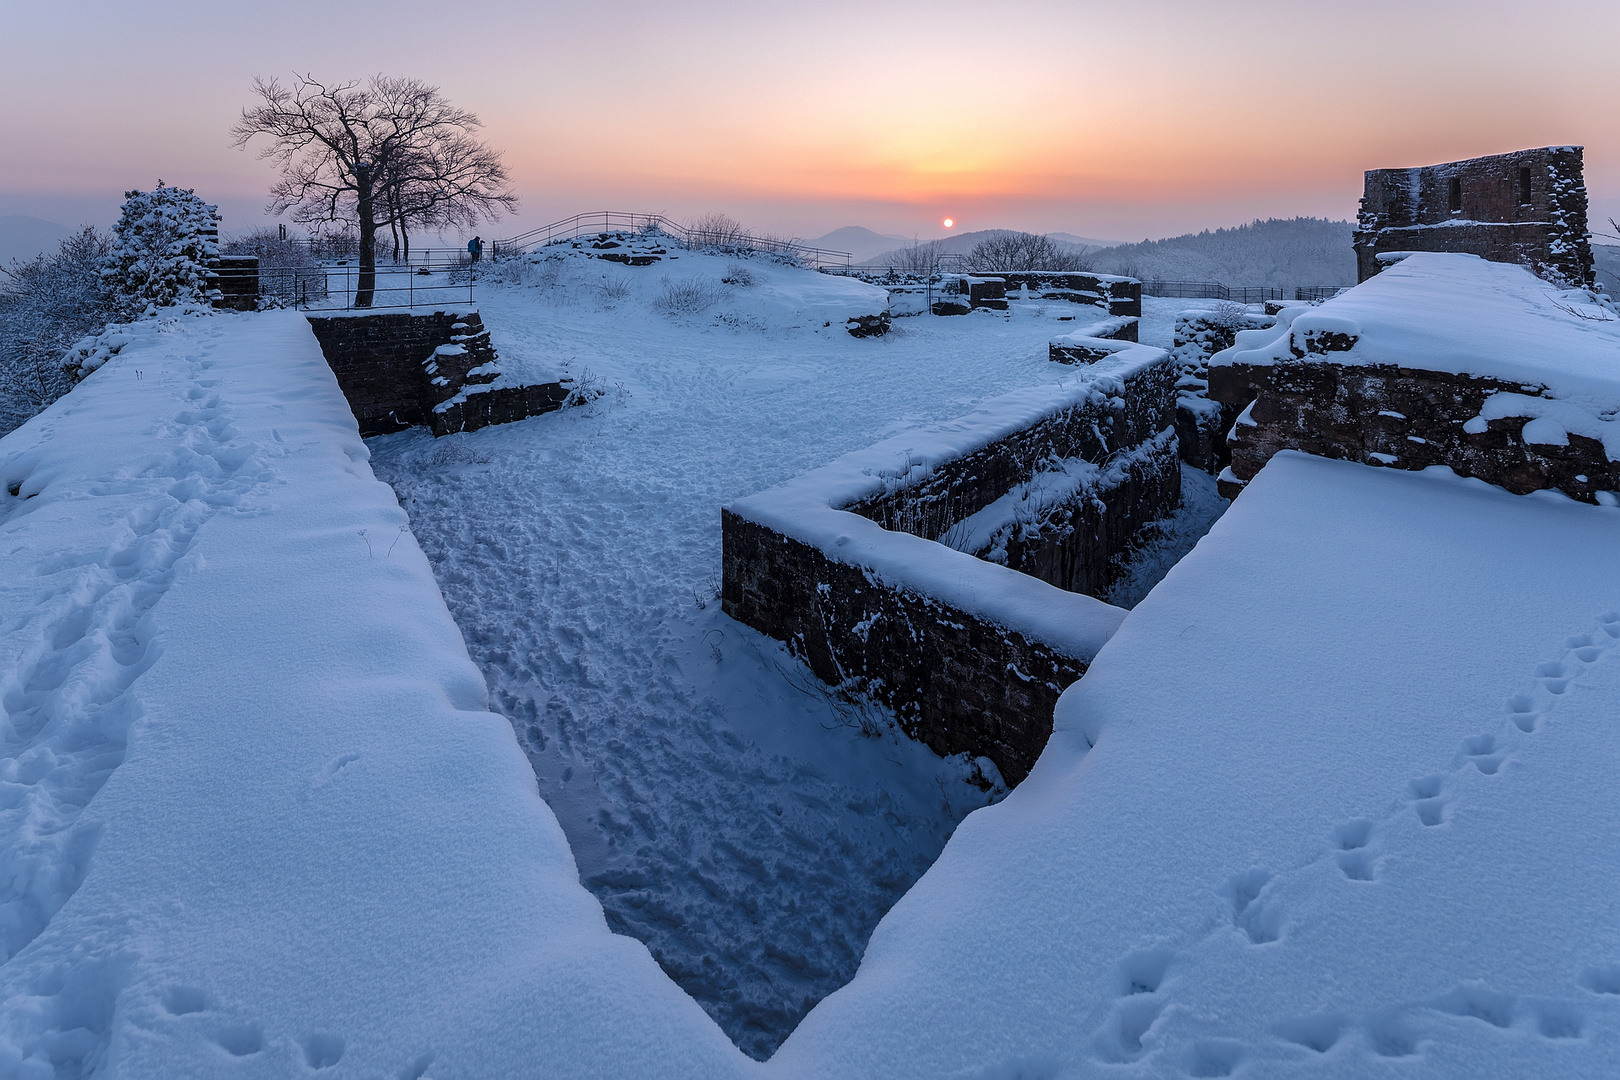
column 1117, row 120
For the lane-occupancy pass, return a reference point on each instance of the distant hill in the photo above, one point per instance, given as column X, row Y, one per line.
column 1278, row 252
column 1083, row 241
column 949, row 244
column 858, row 241
column 24, row 237
column 962, row 243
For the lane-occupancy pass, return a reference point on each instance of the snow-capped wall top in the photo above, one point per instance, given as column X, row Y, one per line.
column 1457, row 314
column 810, row 508
column 1330, row 803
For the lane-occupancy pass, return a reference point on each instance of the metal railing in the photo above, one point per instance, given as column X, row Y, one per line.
column 335, row 287
column 1242, row 294
column 614, row 221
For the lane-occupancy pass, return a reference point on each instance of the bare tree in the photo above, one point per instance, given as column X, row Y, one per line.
column 1025, row 251
column 916, row 257
column 388, row 152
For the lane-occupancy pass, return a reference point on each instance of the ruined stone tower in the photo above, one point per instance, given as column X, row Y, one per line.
column 1527, row 207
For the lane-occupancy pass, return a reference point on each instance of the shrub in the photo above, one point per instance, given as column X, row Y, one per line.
column 344, row 244
column 46, row 305
column 716, row 230
column 688, row 296
column 739, row 275
column 162, row 246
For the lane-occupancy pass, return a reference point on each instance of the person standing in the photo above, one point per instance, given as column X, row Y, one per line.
column 475, row 248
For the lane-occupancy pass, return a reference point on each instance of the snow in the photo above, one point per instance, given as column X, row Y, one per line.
column 744, row 290
column 254, row 815
column 1332, row 801
column 723, row 805
column 810, row 508
column 1463, row 315
column 1334, row 798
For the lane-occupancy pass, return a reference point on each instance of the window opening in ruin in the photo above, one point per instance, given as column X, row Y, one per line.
column 1456, row 195
column 1524, row 186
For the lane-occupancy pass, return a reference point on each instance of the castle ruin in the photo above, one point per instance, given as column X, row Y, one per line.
column 1527, row 207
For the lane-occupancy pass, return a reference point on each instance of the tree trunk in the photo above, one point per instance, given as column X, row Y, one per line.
column 366, row 210
column 405, row 235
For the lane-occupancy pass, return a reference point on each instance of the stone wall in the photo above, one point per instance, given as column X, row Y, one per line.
column 1528, row 207
column 1094, row 341
column 236, row 282
column 1202, row 424
column 957, row 683
column 1094, row 430
column 1116, row 295
column 402, row 370
column 964, row 681
column 1403, row 418
column 957, row 294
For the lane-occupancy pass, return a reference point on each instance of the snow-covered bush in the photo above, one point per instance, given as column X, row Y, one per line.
column 46, row 304
column 717, row 230
column 739, row 275
column 162, row 246
column 687, row 296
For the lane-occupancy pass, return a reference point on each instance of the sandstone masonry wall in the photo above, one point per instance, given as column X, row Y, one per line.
column 1403, row 418
column 402, row 370
column 1528, row 207
column 958, row 681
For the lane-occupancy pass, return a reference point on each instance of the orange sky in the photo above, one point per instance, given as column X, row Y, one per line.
column 1117, row 120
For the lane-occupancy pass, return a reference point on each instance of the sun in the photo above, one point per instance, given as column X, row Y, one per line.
column 949, row 222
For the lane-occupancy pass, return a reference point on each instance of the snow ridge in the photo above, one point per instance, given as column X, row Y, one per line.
column 67, row 701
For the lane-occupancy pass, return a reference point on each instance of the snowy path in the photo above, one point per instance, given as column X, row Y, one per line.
column 737, row 824
column 254, row 818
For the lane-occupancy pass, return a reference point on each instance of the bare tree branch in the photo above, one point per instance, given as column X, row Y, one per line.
column 390, row 152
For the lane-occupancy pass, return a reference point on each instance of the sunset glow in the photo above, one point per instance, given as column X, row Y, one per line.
column 948, row 223
column 1096, row 119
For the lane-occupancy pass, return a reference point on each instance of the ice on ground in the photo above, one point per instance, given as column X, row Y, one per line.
column 1333, row 801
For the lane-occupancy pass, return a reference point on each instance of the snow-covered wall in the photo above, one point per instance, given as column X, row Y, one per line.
column 843, row 563
column 1442, row 359
column 255, row 817
column 1528, row 207
column 435, row 369
column 1202, row 424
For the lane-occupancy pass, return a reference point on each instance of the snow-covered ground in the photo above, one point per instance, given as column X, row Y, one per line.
column 725, row 811
column 254, row 818
column 1334, row 800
